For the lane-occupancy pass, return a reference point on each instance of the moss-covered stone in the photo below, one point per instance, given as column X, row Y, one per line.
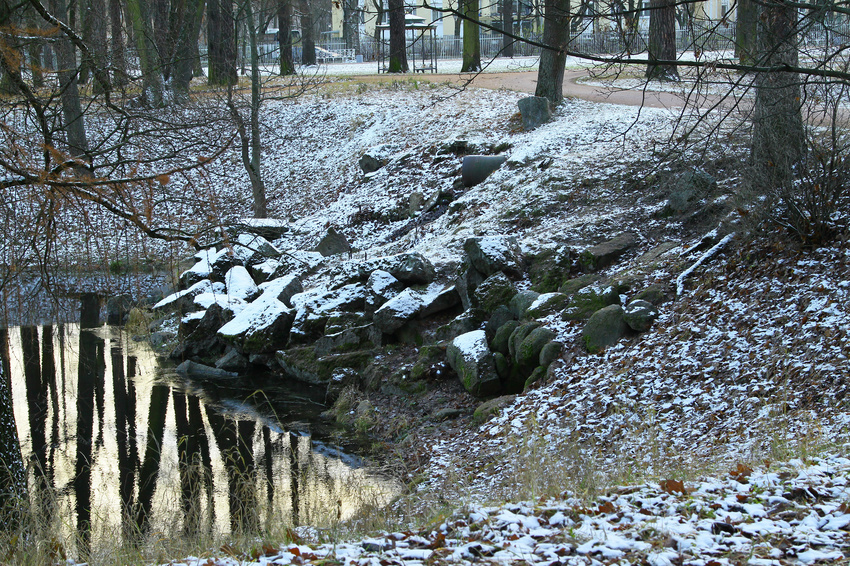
column 640, row 315
column 494, row 291
column 550, row 268
column 572, row 286
column 518, row 335
column 503, row 365
column 501, row 339
column 550, row 353
column 528, row 352
column 491, row 407
column 547, row 304
column 652, row 294
column 467, row 321
column 589, row 300
column 303, row 364
column 604, row 328
column 339, row 321
column 521, row 301
column 538, row 374
column 432, row 359
column 472, row 360
column 500, row 316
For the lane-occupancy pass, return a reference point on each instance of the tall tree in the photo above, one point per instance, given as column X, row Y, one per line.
column 72, row 109
column 553, row 61
column 662, row 40
column 508, row 27
column 221, row 38
column 118, row 63
column 13, row 481
column 471, row 37
column 746, row 27
column 778, row 131
column 398, row 45
column 284, row 36
column 149, row 60
column 308, row 33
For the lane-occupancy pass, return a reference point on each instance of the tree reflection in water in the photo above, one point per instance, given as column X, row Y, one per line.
column 144, row 452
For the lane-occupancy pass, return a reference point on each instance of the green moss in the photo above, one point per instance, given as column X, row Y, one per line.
column 549, row 269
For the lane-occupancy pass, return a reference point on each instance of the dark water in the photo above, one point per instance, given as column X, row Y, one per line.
column 118, row 445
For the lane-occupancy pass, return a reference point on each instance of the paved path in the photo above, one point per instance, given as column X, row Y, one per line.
column 526, row 81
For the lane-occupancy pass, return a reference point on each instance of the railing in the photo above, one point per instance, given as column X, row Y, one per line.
column 705, row 36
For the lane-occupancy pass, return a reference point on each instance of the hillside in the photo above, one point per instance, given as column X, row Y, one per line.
column 737, row 389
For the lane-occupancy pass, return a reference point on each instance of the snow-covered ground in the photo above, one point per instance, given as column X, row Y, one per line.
column 749, row 364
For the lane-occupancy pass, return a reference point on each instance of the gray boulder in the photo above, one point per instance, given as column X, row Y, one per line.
column 396, row 312
column 495, row 291
column 240, row 284
column 470, row 357
column 604, row 328
column 282, row 288
column 640, row 315
column 689, row 189
column 521, row 301
column 518, row 335
column 467, row 281
column 528, row 352
column 535, row 111
column 501, row 339
column 195, row 369
column 602, row 255
column 409, row 268
column 547, row 304
column 232, row 361
column 467, row 321
column 333, row 243
column 501, row 315
column 298, row 263
column 381, row 287
column 252, row 249
column 491, row 254
column 263, row 327
column 442, row 300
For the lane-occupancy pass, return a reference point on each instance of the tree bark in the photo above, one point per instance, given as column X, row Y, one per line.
column 746, row 27
column 284, row 37
column 471, row 37
column 550, row 72
column 398, row 44
column 13, row 481
column 72, row 110
column 778, row 133
column 507, row 27
column 221, row 38
column 116, row 47
column 308, row 35
column 662, row 40
column 149, row 61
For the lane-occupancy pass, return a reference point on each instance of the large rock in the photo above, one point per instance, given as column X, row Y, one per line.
column 268, row 228
column 491, row 254
column 252, row 249
column 333, row 243
column 640, row 315
column 604, row 329
column 382, row 287
column 689, row 189
column 263, row 327
column 497, row 290
column 348, row 339
column 467, row 321
column 550, row 268
column 440, row 300
column 298, row 263
column 470, row 357
column 602, row 255
column 502, row 337
column 396, row 312
column 199, row 340
column 519, row 334
column 315, row 307
column 547, row 304
column 590, row 299
column 535, row 111
column 528, row 352
column 240, row 284
column 282, row 288
column 183, row 301
column 409, row 268
column 376, row 157
column 521, row 301
column 467, row 281
column 202, row 268
column 195, row 369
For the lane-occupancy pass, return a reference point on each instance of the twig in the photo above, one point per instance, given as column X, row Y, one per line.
column 680, row 280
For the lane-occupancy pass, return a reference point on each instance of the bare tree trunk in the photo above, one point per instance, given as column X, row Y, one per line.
column 471, row 37
column 13, row 481
column 550, row 72
column 221, row 39
column 116, row 48
column 308, row 34
column 284, row 37
column 148, row 56
column 662, row 40
column 507, row 27
column 398, row 47
column 746, row 27
column 72, row 110
column 778, row 134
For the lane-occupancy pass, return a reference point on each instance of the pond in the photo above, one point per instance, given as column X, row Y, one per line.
column 119, row 445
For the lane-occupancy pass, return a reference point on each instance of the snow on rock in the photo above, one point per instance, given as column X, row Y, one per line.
column 282, row 288
column 202, row 286
column 470, row 356
column 397, row 311
column 239, row 283
column 262, row 327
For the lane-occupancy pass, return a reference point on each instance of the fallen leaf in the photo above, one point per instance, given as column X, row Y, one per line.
column 673, row 486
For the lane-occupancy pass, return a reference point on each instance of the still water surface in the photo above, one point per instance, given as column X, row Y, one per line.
column 118, row 444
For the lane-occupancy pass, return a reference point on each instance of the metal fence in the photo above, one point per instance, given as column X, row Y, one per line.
column 704, row 36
